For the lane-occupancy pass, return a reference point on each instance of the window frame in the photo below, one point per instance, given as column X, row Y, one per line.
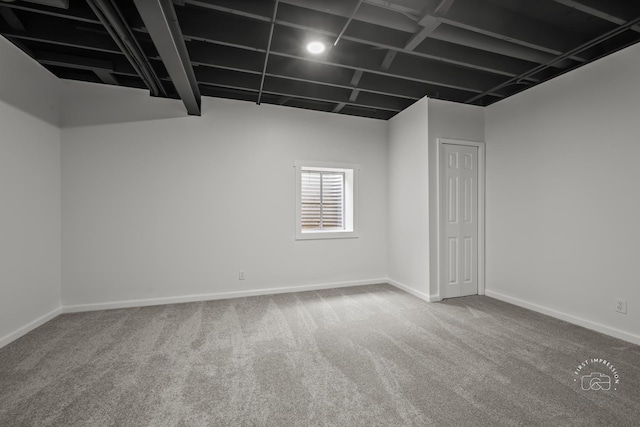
column 352, row 172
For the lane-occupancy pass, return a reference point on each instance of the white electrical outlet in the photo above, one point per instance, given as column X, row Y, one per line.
column 241, row 276
column 621, row 306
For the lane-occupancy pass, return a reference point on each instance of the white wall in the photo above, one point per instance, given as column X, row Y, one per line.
column 563, row 195
column 453, row 121
column 29, row 194
column 408, row 152
column 87, row 104
column 176, row 207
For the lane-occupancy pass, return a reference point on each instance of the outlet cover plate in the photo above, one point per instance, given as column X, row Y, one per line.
column 621, row 306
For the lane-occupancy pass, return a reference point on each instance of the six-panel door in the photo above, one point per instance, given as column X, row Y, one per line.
column 459, row 268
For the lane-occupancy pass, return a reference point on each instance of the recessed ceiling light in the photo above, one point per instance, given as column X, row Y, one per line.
column 316, row 47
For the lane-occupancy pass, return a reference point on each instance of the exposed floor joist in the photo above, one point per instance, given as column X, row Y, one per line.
column 381, row 55
column 597, row 12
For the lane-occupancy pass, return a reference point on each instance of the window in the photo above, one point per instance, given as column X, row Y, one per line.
column 326, row 200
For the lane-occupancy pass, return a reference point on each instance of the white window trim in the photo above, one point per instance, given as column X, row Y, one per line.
column 352, row 172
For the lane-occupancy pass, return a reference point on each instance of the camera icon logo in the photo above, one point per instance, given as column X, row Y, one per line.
column 596, row 381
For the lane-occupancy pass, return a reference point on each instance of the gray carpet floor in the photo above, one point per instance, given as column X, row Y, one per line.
column 362, row 356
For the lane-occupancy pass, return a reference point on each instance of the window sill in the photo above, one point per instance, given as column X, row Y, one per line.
column 319, row 235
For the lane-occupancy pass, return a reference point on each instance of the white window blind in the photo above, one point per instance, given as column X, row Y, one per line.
column 322, row 200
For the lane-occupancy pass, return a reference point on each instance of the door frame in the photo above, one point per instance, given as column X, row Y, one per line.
column 481, row 210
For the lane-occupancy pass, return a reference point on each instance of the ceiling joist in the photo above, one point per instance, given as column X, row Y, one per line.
column 596, row 11
column 381, row 57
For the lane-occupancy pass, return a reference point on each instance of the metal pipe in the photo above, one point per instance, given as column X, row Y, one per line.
column 266, row 56
column 344, row 29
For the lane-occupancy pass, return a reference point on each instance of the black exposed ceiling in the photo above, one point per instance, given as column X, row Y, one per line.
column 383, row 55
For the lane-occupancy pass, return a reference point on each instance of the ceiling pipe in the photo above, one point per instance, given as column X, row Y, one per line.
column 113, row 21
column 266, row 55
column 602, row 38
column 346, row 25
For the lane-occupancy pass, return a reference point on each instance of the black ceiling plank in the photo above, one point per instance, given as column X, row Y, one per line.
column 614, row 44
column 311, row 19
column 617, row 12
column 306, row 104
column 78, row 11
column 12, row 19
column 308, row 90
column 162, row 24
column 64, row 37
column 415, row 77
column 486, row 18
column 393, row 85
column 443, row 74
column 346, row 54
column 481, row 60
column 557, row 15
column 319, row 92
column 350, row 110
column 587, row 45
column 395, row 38
column 368, row 98
column 228, row 93
column 358, row 56
column 73, row 74
column 486, row 43
column 224, row 56
column 235, row 30
column 200, row 55
column 378, row 34
column 255, row 9
column 291, row 41
column 396, row 19
column 228, row 78
column 512, row 50
column 118, row 61
column 308, row 33
column 322, row 77
column 296, row 68
column 283, row 90
column 73, row 61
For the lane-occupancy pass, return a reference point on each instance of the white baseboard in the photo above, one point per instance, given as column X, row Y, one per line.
column 29, row 327
column 415, row 293
column 595, row 326
column 76, row 308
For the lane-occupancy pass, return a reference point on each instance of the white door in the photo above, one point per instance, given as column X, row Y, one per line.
column 459, row 180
